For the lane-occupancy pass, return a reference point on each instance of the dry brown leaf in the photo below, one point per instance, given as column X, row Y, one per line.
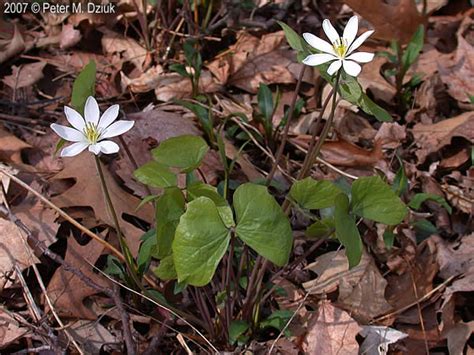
column 456, row 259
column 87, row 192
column 11, row 329
column 457, row 337
column 361, row 289
column 344, row 153
column 174, row 86
column 392, row 20
column 151, row 127
column 455, row 160
column 391, row 135
column 91, row 335
column 419, row 275
column 353, row 127
column 460, row 198
column 432, row 137
column 371, row 79
column 69, row 37
column 130, row 49
column 41, row 221
column 25, row 75
column 459, row 74
column 11, row 147
column 254, row 60
column 13, row 46
column 331, row 331
column 14, row 250
column 66, row 290
column 147, row 81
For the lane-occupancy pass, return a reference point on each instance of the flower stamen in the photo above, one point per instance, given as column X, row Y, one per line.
column 91, row 132
column 340, row 47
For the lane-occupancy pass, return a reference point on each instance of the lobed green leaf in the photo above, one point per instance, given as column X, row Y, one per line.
column 262, row 224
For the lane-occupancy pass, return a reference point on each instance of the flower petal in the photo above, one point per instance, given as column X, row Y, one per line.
column 74, row 149
column 334, row 67
column 117, row 128
column 67, row 133
column 318, row 59
column 350, row 31
column 330, row 31
column 108, row 147
column 109, row 116
column 91, row 111
column 358, row 42
column 351, row 68
column 74, row 118
column 318, row 43
column 94, row 148
column 361, row 57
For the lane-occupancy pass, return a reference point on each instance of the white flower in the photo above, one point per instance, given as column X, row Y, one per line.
column 90, row 131
column 340, row 49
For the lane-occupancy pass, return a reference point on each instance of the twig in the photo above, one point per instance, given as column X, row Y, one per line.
column 127, row 332
column 288, row 323
column 172, row 311
column 71, row 220
column 425, row 297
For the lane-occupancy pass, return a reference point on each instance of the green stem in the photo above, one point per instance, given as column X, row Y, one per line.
column 314, row 152
column 129, row 261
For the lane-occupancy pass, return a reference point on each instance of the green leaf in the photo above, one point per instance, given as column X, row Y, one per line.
column 146, row 250
column 351, row 91
column 374, row 199
column 424, row 229
column 294, row 40
column 114, row 267
column 155, row 174
column 320, row 229
column 346, row 230
column 184, row 152
column 371, row 108
column 418, row 199
column 261, row 223
column 145, row 200
column 166, row 270
column 236, row 329
column 199, row 189
column 180, row 69
column 414, row 48
column 202, row 113
column 265, row 101
column 83, row 87
column 388, row 238
column 312, row 194
column 278, row 320
column 400, row 183
column 200, row 241
column 169, row 209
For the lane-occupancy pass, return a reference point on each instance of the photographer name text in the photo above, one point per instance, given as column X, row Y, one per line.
column 45, row 7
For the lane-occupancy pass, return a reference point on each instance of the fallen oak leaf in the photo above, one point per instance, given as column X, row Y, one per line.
column 331, row 331
column 87, row 191
column 66, row 290
column 459, row 74
column 25, row 75
column 391, row 20
column 344, row 153
column 432, row 137
column 12, row 47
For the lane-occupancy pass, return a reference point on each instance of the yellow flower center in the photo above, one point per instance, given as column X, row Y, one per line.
column 91, row 132
column 340, row 47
